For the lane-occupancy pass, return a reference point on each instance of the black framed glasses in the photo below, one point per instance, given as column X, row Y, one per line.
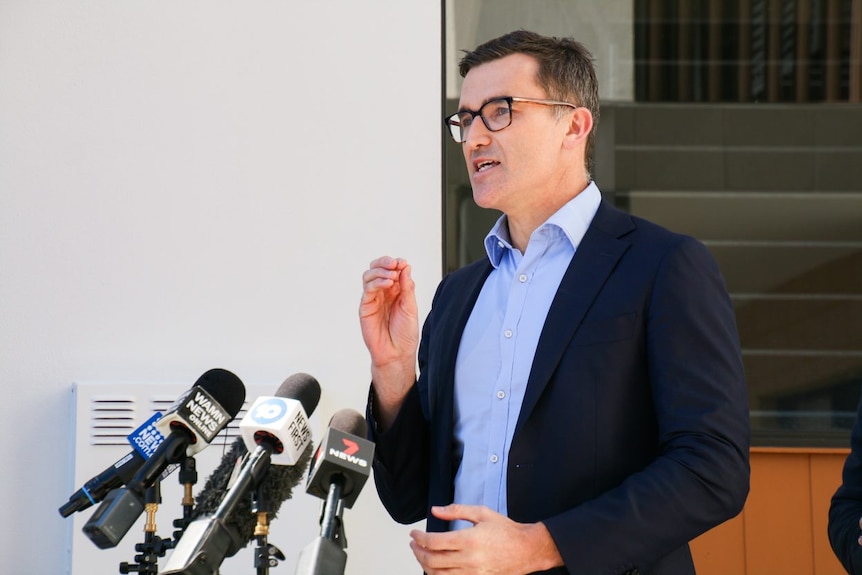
column 496, row 114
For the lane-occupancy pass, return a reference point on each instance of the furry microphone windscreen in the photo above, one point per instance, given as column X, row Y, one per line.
column 275, row 488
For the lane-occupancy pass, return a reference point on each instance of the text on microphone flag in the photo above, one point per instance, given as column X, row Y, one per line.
column 147, row 438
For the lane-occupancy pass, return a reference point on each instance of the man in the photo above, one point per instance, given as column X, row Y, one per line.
column 845, row 509
column 581, row 405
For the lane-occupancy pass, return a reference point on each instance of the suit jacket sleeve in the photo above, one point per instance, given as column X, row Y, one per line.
column 401, row 467
column 846, row 507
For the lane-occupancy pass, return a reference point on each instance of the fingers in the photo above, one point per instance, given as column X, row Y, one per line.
column 384, row 273
column 452, row 540
column 379, row 276
column 387, row 262
column 472, row 513
column 439, row 552
column 386, row 265
column 443, row 541
column 434, row 562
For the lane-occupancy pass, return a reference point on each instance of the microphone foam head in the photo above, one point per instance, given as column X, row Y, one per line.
column 224, row 387
column 348, row 421
column 303, row 388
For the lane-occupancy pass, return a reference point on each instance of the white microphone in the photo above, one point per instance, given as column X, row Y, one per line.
column 281, row 422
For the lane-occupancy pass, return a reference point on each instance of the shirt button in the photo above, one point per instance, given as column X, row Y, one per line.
column 522, row 278
column 508, row 333
column 494, row 458
column 501, row 394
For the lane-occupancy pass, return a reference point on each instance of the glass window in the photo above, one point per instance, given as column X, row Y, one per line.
column 740, row 124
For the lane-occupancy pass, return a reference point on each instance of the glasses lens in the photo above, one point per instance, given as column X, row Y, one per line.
column 456, row 127
column 497, row 114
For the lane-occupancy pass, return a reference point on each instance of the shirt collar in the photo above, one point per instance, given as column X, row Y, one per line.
column 573, row 219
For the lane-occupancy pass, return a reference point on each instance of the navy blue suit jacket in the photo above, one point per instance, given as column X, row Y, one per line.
column 633, row 436
column 845, row 508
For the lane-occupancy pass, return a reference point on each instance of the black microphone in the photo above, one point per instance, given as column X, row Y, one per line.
column 343, row 459
column 188, row 426
column 145, row 439
column 278, row 431
column 341, row 465
column 98, row 487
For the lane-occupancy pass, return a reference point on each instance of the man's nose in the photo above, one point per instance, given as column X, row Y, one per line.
column 477, row 134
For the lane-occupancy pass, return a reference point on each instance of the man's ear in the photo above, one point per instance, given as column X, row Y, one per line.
column 580, row 126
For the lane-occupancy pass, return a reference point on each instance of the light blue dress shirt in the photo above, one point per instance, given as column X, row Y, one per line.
column 499, row 342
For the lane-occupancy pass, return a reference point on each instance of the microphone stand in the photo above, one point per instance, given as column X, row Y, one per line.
column 154, row 546
column 331, row 522
column 188, row 476
column 325, row 555
column 265, row 554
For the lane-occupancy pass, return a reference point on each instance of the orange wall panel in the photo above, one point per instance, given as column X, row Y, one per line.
column 782, row 528
column 778, row 515
column 721, row 550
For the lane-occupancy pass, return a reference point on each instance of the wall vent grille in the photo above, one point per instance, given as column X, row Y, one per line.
column 113, row 417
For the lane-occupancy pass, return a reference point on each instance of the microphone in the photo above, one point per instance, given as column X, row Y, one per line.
column 188, row 426
column 341, row 465
column 343, row 459
column 277, row 430
column 96, row 488
column 145, row 440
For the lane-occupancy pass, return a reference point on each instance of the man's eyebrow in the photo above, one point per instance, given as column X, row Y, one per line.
column 491, row 99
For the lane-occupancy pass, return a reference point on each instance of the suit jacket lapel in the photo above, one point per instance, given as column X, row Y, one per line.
column 465, row 291
column 596, row 256
column 462, row 290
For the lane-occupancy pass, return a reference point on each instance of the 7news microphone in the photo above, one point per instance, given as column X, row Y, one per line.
column 277, row 432
column 341, row 465
column 188, row 426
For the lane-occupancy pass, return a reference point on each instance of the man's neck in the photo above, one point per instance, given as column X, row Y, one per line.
column 522, row 225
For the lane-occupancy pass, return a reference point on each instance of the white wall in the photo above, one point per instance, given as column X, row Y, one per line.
column 196, row 184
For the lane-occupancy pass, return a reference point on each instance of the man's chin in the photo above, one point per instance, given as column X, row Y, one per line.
column 484, row 198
